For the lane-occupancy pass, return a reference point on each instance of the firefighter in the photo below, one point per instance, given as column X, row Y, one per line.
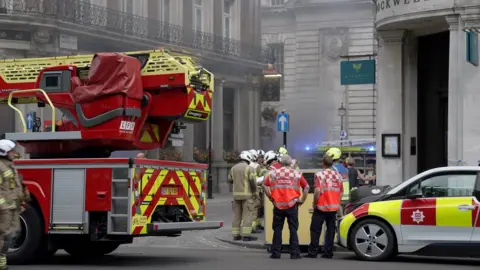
column 338, row 165
column 283, row 151
column 326, row 202
column 243, row 178
column 271, row 160
column 12, row 197
column 282, row 187
column 261, row 171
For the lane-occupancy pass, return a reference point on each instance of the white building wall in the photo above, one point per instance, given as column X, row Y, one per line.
column 316, row 39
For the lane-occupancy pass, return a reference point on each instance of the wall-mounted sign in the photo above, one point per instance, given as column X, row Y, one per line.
column 357, row 72
column 15, row 35
column 395, row 8
column 68, row 42
column 472, row 48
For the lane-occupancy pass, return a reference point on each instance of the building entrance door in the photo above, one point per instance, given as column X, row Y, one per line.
column 433, row 62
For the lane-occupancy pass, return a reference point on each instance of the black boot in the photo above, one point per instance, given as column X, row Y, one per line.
column 237, row 238
column 249, row 238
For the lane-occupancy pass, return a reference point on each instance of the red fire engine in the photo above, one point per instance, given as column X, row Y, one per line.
column 83, row 201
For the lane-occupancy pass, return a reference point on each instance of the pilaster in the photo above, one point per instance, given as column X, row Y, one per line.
column 217, row 119
column 390, row 103
column 455, row 100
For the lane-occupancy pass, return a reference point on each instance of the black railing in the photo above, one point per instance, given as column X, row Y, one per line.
column 86, row 14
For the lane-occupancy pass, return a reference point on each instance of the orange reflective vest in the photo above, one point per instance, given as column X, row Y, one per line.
column 285, row 187
column 331, row 185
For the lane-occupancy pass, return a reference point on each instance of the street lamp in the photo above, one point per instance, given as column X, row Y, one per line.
column 341, row 112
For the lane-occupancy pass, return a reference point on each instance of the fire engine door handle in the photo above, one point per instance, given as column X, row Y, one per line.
column 101, row 195
column 466, row 207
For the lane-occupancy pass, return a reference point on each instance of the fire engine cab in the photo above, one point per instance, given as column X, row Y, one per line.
column 84, row 201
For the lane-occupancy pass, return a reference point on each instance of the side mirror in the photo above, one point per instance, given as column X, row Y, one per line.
column 416, row 195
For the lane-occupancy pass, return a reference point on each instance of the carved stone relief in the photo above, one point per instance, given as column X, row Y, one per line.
column 334, row 43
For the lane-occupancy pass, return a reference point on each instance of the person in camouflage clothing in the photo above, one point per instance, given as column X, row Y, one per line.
column 13, row 198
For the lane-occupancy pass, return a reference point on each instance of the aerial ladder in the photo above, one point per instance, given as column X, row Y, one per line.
column 84, row 201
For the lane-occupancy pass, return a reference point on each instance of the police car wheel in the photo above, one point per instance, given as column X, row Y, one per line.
column 372, row 240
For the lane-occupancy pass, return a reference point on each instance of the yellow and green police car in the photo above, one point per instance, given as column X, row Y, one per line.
column 434, row 213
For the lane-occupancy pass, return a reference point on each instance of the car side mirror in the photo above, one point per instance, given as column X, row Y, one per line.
column 416, row 195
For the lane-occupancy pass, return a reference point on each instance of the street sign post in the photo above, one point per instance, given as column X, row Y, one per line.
column 283, row 123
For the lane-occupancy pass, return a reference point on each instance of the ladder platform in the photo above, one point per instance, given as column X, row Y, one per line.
column 44, row 136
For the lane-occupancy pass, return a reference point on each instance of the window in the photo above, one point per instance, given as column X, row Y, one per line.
column 277, row 55
column 446, row 185
column 198, row 16
column 128, row 6
column 227, row 18
column 166, row 11
column 277, row 2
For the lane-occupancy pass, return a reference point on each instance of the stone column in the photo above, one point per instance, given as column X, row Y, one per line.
column 390, row 103
column 188, row 142
column 256, row 117
column 455, row 100
column 217, row 119
column 220, row 167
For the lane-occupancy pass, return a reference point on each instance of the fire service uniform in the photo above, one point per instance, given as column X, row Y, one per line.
column 327, row 198
column 12, row 197
column 243, row 178
column 283, row 187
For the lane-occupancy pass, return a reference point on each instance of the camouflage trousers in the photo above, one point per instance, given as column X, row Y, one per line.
column 9, row 226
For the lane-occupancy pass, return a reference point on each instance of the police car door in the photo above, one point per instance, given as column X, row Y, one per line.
column 446, row 212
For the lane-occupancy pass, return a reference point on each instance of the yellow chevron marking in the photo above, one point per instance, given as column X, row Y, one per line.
column 188, row 189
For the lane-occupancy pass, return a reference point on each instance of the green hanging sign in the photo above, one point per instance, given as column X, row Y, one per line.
column 357, row 72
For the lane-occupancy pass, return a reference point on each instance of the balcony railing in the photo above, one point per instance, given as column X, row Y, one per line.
column 86, row 14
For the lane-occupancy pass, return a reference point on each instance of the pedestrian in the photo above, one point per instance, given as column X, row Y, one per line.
column 354, row 174
column 12, row 197
column 326, row 203
column 243, row 178
column 336, row 154
column 284, row 187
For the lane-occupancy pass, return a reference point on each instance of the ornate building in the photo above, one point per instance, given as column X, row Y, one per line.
column 309, row 40
column 224, row 37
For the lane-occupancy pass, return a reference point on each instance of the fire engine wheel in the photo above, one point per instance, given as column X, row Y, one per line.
column 28, row 242
column 372, row 240
column 91, row 249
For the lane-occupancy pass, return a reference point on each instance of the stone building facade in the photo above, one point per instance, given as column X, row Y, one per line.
column 309, row 39
column 223, row 35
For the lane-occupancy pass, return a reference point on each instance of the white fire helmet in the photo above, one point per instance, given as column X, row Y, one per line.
column 270, row 156
column 247, row 156
column 254, row 153
column 6, row 146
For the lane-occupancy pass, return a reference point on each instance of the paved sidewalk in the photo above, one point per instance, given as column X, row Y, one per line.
column 224, row 209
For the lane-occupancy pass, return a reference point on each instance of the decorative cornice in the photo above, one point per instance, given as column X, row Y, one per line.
column 391, row 36
column 452, row 21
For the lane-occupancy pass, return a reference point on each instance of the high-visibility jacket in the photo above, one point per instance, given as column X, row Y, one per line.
column 330, row 183
column 275, row 165
column 285, row 184
column 346, row 191
column 243, row 178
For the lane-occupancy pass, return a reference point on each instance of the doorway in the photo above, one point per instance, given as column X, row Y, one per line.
column 432, row 121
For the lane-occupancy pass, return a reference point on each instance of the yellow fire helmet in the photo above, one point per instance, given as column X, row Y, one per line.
column 282, row 150
column 334, row 153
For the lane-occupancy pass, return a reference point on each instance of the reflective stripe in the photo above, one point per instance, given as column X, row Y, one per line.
column 8, row 173
column 284, row 187
column 290, row 203
column 235, row 231
column 331, row 189
column 331, row 206
column 246, row 231
column 2, row 200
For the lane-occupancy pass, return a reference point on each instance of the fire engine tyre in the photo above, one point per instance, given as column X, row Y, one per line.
column 28, row 243
column 372, row 240
column 91, row 249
